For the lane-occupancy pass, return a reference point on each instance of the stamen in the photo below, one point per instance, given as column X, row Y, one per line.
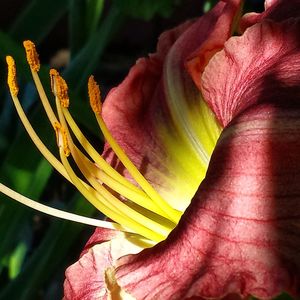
column 116, row 182
column 32, row 56
column 119, row 206
column 150, row 216
column 90, row 195
column 92, row 152
column 94, row 95
column 52, row 74
column 106, row 198
column 169, row 211
column 31, row 132
column 110, row 176
column 140, row 199
column 59, row 213
column 59, row 88
column 61, row 138
column 37, row 141
column 12, row 76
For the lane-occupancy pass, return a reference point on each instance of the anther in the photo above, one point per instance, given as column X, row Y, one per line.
column 53, row 73
column 61, row 138
column 12, row 76
column 32, row 55
column 94, row 95
column 59, row 88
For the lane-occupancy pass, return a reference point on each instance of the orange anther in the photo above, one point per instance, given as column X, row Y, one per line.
column 32, row 55
column 61, row 138
column 12, row 76
column 94, row 95
column 59, row 88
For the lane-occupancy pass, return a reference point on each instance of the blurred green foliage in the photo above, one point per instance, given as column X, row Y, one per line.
column 146, row 10
column 34, row 249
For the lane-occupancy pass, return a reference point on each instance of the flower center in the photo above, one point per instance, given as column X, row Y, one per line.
column 144, row 211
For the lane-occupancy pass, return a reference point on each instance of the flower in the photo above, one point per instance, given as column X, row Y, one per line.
column 226, row 231
column 239, row 236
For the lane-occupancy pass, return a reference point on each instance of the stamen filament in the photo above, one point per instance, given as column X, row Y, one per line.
column 138, row 228
column 135, row 191
column 113, row 203
column 170, row 212
column 34, row 63
column 141, row 200
column 119, row 206
column 27, row 125
column 103, row 201
column 98, row 159
column 59, row 213
column 37, row 141
column 95, row 101
column 43, row 97
column 146, row 213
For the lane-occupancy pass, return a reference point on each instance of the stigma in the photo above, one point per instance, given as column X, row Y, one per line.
column 142, row 211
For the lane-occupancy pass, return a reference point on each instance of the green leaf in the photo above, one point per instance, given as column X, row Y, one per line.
column 84, row 19
column 209, row 4
column 16, row 260
column 284, row 296
column 8, row 46
column 146, row 10
column 36, row 21
column 78, row 30
column 24, row 170
column 94, row 13
column 87, row 58
column 48, row 257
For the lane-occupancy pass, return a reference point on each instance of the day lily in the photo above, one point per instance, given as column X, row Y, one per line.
column 201, row 167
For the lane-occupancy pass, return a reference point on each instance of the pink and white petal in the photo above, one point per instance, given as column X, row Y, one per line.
column 158, row 117
column 261, row 64
column 100, row 236
column 89, row 277
column 240, row 235
column 276, row 10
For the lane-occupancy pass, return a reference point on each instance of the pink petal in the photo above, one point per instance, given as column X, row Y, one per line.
column 240, row 235
column 213, row 34
column 276, row 10
column 261, row 64
column 156, row 113
column 85, row 279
